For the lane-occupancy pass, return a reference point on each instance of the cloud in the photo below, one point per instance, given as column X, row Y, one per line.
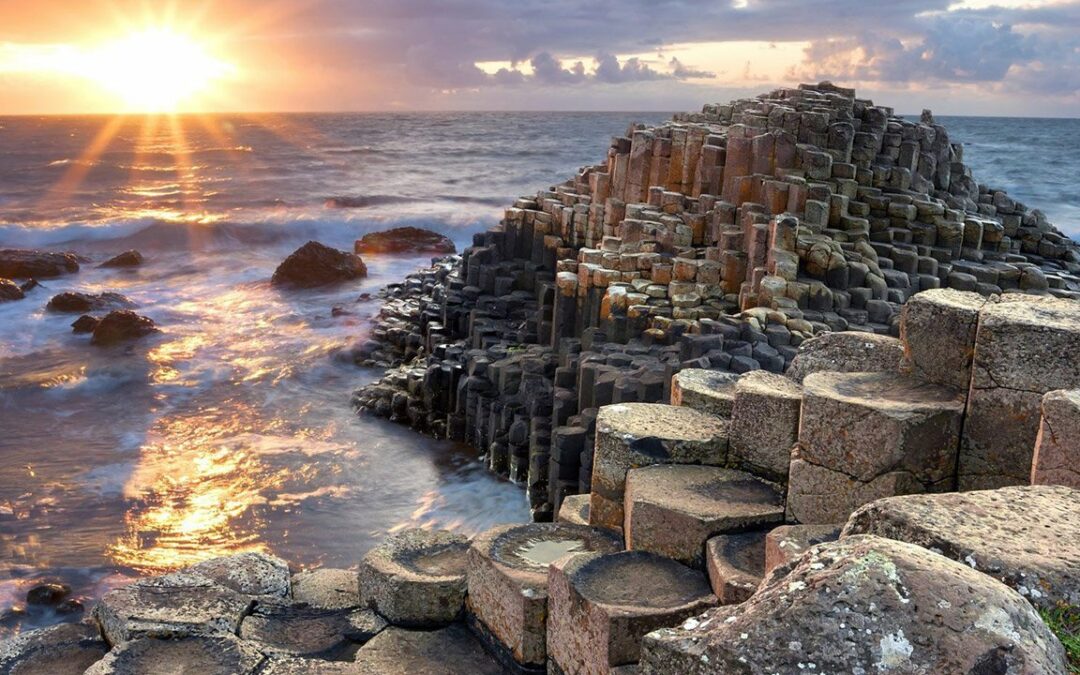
column 683, row 72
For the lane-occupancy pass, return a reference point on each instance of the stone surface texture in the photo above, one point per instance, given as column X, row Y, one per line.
column 735, row 563
column 847, row 352
column 205, row 655
column 937, row 328
column 64, row 649
column 710, row 391
column 448, row 651
column 764, row 424
column 788, row 542
column 326, row 588
column 1057, row 447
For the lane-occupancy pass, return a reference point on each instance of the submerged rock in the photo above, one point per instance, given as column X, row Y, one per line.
column 120, row 325
column 218, row 655
column 48, row 594
column 9, row 290
column 315, row 264
column 130, row 258
column 404, row 240
column 87, row 302
column 65, row 649
column 864, row 604
column 23, row 264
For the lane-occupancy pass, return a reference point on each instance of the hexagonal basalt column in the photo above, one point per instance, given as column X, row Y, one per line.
column 868, row 435
column 1057, row 447
column 508, row 581
column 416, row 578
column 601, row 606
column 277, row 627
column 630, row 435
column 200, row 654
column 736, row 563
column 63, row 649
column 938, row 328
column 764, row 424
column 710, row 391
column 674, row 510
column 575, row 510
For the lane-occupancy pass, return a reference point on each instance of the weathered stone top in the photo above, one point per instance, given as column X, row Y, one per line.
column 659, row 421
column 525, row 551
column 889, row 393
column 636, row 579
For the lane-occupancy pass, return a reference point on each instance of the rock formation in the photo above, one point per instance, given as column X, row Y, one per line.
column 410, row 240
column 315, row 264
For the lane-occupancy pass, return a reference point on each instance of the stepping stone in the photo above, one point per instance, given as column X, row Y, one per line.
column 64, row 649
column 249, row 573
column 508, row 581
column 864, row 604
column 674, row 510
column 630, row 435
column 575, row 510
column 217, row 655
column 788, row 542
column 295, row 665
column 600, row 606
column 327, row 588
column 449, row 651
column 937, row 328
column 1023, row 349
column 710, row 391
column 307, row 631
column 846, row 352
column 1025, row 536
column 863, row 436
column 175, row 605
column 1057, row 447
column 764, row 424
column 736, row 563
column 416, row 578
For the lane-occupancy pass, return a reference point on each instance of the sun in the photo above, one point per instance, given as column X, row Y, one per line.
column 156, row 70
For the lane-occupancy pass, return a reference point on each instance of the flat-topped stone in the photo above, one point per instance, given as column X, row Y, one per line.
column 64, row 649
column 937, row 328
column 326, row 588
column 416, row 578
column 507, row 580
column 673, row 510
column 575, row 510
column 249, row 573
column 299, row 665
column 849, row 352
column 869, row 435
column 282, row 628
column 175, row 605
column 1057, row 447
column 786, row 543
column 630, row 435
column 735, row 563
column 764, row 424
column 601, row 605
column 448, row 651
column 206, row 655
column 1026, row 536
column 710, row 391
column 864, row 605
column 1023, row 349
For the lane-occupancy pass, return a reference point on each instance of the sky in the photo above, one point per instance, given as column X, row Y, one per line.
column 968, row 57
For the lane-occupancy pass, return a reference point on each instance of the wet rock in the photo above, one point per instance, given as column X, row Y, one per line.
column 937, row 328
column 1057, row 447
column 326, row 588
column 130, row 258
column 405, row 240
column 416, row 578
column 788, row 542
column 710, row 391
column 1025, row 536
column 735, row 563
column 448, row 651
column 315, row 264
column 507, row 580
column 87, row 302
column 64, row 649
column 29, row 285
column 175, row 605
column 85, row 324
column 575, row 510
column 848, row 352
column 23, row 264
column 673, row 510
column 300, row 630
column 48, row 594
column 121, row 325
column 864, row 605
column 600, row 606
column 9, row 291
column 217, row 655
column 248, row 573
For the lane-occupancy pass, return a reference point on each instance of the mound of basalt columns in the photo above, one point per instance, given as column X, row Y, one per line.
column 416, row 578
column 508, row 583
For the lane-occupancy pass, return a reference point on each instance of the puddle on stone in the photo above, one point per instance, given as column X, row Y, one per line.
column 444, row 562
column 543, row 552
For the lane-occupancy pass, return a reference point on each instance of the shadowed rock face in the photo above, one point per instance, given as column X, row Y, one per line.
column 315, row 264
column 864, row 604
column 411, row 240
column 20, row 264
column 66, row 649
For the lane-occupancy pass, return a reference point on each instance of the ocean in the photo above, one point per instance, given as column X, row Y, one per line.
column 232, row 430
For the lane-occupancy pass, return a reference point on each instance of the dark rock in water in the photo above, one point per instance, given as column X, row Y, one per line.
column 315, row 264
column 48, row 593
column 85, row 324
column 23, row 264
column 66, row 649
column 29, row 285
column 337, row 311
column 122, row 324
column 85, row 302
column 130, row 258
column 9, row 290
column 404, row 240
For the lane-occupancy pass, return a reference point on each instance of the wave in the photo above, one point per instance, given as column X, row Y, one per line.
column 367, row 201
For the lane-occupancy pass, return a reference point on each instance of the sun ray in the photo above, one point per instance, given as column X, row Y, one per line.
column 78, row 169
